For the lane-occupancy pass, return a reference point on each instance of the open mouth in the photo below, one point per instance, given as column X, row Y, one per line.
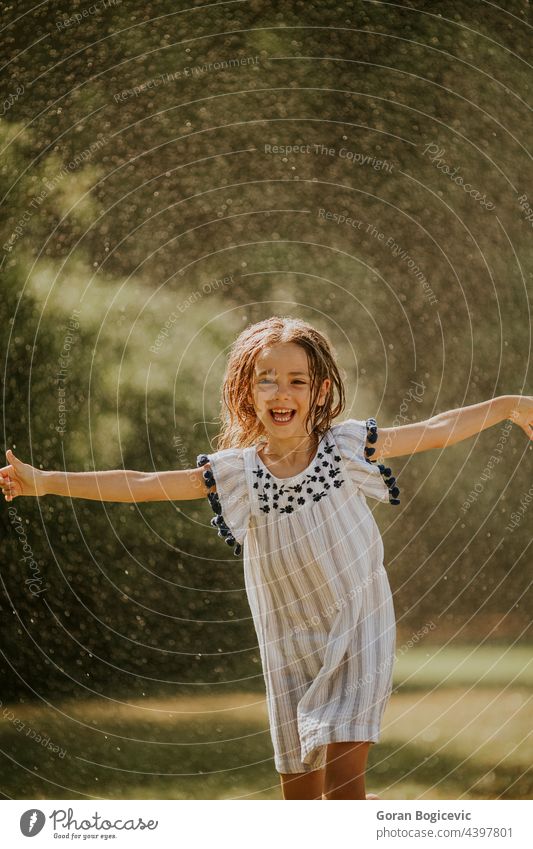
column 282, row 415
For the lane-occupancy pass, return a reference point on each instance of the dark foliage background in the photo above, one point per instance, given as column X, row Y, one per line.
column 130, row 204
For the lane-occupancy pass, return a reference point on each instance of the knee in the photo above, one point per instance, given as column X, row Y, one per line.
column 307, row 785
column 340, row 784
column 301, row 796
column 345, row 770
column 301, row 791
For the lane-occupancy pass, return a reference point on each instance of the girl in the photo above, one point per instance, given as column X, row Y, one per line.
column 289, row 488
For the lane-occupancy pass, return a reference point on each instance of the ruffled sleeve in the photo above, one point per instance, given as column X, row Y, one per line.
column 230, row 502
column 355, row 439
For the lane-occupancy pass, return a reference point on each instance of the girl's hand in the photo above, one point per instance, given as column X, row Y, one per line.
column 20, row 478
column 521, row 413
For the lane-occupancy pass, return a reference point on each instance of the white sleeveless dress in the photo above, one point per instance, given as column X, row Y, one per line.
column 317, row 588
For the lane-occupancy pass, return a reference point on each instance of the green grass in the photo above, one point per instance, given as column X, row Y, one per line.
column 455, row 728
column 485, row 666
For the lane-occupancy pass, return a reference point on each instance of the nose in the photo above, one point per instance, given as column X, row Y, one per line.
column 281, row 390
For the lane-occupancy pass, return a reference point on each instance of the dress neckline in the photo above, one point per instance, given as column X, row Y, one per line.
column 292, row 477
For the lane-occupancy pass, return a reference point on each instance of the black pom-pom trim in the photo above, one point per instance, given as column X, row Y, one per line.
column 217, row 521
column 389, row 479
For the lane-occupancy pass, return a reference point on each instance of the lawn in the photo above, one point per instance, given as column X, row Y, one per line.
column 458, row 726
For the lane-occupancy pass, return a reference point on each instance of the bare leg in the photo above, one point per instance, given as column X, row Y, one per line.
column 345, row 771
column 302, row 785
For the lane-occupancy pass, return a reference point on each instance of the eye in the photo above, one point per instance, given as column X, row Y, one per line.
column 265, row 380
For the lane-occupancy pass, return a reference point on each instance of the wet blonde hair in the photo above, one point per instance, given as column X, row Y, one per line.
column 240, row 424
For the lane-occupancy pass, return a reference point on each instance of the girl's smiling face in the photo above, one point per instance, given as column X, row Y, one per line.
column 281, row 381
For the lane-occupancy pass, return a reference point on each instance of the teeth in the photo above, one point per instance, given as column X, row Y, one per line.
column 282, row 414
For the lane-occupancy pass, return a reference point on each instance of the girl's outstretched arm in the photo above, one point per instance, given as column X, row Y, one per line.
column 450, row 427
column 20, row 478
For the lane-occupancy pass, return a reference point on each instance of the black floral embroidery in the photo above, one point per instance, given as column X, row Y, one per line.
column 218, row 520
column 314, row 483
column 371, row 436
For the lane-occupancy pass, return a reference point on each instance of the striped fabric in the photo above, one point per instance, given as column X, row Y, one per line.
column 318, row 591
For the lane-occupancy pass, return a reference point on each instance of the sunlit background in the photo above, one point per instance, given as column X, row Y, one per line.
column 172, row 172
